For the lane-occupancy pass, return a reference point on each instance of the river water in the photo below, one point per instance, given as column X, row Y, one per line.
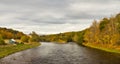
column 71, row 53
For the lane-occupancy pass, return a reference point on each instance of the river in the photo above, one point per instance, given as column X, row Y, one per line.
column 71, row 53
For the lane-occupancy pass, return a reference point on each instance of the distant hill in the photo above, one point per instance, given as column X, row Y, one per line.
column 10, row 33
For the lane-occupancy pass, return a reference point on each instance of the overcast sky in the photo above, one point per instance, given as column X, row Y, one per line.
column 54, row 16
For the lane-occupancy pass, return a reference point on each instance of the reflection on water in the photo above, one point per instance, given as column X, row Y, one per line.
column 50, row 53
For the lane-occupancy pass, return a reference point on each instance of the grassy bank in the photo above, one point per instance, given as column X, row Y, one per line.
column 6, row 50
column 104, row 48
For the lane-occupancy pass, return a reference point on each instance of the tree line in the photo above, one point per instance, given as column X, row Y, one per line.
column 64, row 37
column 105, row 32
column 7, row 34
column 10, row 33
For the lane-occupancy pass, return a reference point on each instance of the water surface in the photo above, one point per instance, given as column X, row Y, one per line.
column 71, row 53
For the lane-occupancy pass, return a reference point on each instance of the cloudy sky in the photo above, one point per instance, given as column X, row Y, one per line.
column 54, row 16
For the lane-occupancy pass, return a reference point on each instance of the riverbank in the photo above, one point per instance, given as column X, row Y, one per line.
column 6, row 50
column 104, row 48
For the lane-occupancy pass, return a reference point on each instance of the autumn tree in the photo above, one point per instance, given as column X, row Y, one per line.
column 34, row 37
column 105, row 32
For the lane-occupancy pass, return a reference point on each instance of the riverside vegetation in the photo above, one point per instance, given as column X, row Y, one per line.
column 103, row 34
column 23, row 41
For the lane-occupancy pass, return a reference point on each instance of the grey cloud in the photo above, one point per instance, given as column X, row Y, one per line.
column 37, row 3
column 96, row 1
column 52, row 22
column 48, row 14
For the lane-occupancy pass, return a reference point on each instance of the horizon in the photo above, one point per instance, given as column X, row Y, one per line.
column 54, row 16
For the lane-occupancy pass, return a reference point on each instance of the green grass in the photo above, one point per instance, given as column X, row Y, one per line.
column 6, row 50
column 112, row 50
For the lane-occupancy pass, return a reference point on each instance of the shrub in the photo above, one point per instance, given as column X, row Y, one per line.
column 24, row 38
column 1, row 41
